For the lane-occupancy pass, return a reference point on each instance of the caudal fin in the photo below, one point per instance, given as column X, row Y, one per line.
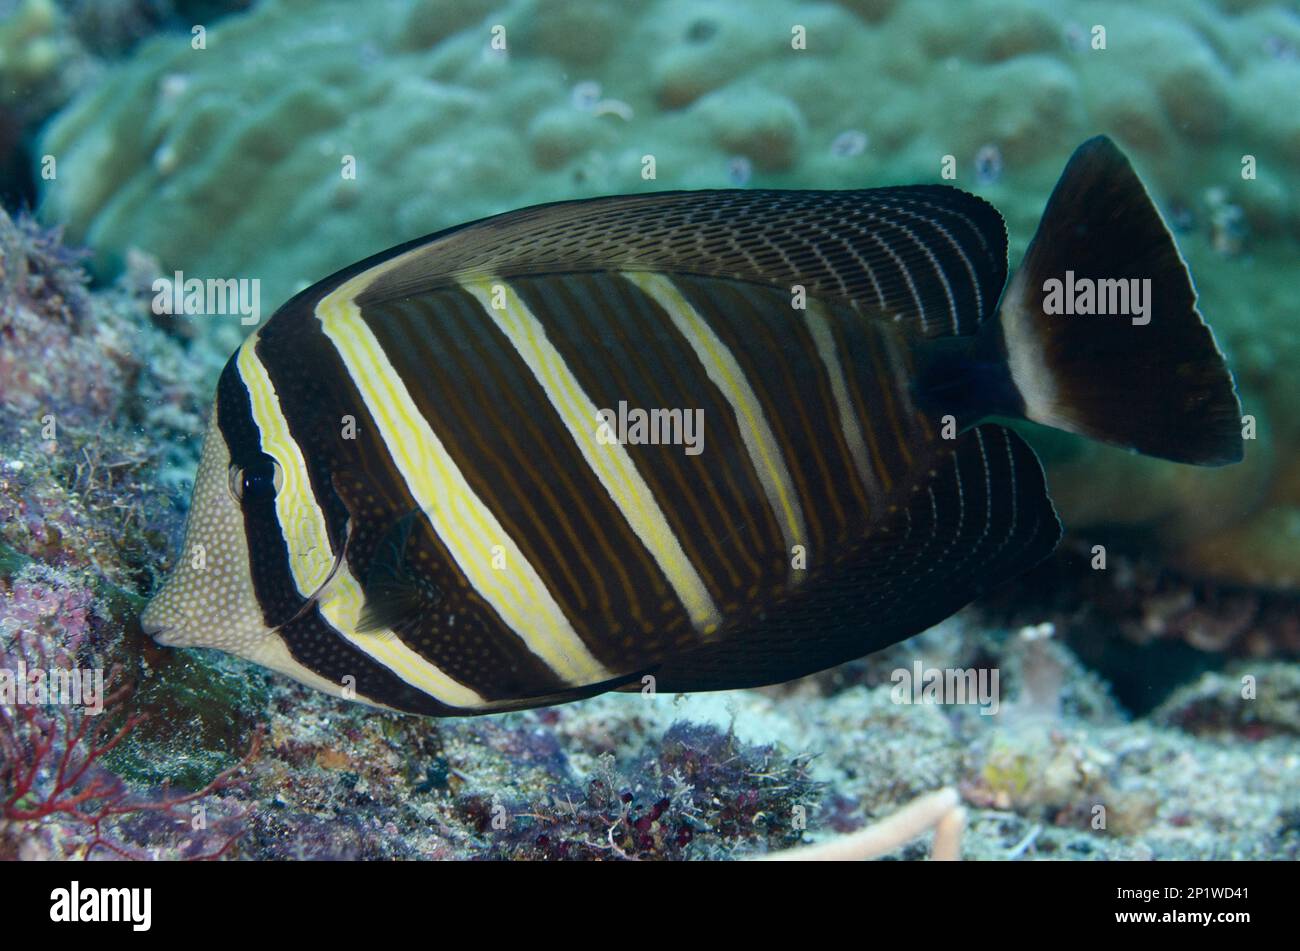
column 1100, row 324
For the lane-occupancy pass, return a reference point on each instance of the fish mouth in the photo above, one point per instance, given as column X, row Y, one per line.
column 157, row 631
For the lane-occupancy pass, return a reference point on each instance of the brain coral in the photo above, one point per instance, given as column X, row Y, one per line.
column 230, row 160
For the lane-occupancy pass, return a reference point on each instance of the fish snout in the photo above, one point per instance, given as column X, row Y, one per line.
column 159, row 636
column 154, row 627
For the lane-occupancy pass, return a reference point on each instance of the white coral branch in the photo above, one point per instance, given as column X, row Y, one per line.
column 940, row 811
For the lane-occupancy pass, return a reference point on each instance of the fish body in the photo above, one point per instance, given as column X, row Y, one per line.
column 696, row 440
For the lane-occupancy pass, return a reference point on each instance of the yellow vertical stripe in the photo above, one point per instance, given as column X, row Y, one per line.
column 820, row 329
column 471, row 533
column 721, row 366
column 610, row 461
column 310, row 555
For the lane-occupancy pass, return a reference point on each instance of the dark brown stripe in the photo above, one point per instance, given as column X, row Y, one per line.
column 845, row 330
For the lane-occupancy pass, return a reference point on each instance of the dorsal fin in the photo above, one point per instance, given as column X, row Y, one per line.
column 930, row 256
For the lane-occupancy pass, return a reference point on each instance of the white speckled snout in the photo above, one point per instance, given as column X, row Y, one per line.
column 208, row 601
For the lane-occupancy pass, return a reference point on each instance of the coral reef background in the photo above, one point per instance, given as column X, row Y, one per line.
column 215, row 138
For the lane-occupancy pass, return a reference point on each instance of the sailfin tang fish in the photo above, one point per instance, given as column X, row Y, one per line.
column 435, row 481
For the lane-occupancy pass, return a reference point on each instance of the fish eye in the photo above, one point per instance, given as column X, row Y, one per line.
column 260, row 480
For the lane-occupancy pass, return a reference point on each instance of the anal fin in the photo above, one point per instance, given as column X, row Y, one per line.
column 630, row 681
column 981, row 519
